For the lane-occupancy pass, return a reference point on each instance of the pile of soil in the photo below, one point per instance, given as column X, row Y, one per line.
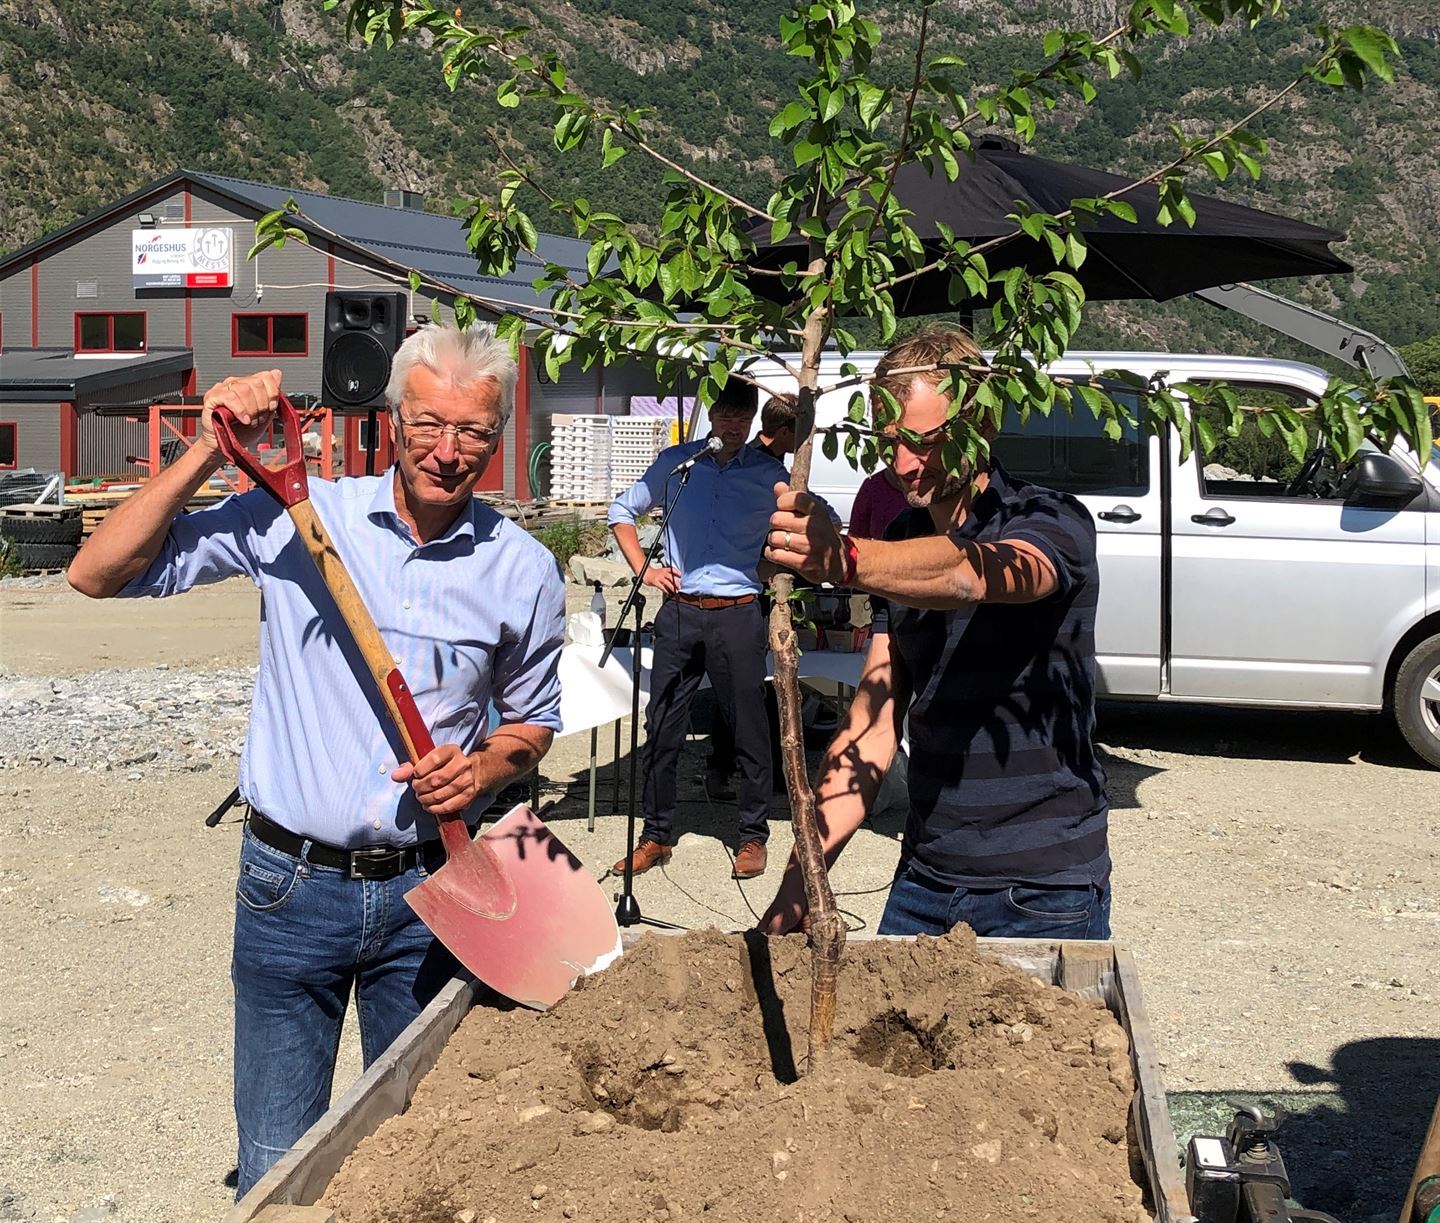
column 666, row 1088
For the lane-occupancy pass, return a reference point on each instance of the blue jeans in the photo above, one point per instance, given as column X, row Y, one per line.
column 303, row 935
column 917, row 906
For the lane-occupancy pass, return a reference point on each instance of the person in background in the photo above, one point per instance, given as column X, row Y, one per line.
column 777, row 426
column 340, row 826
column 985, row 637
column 878, row 502
column 710, row 622
column 777, row 439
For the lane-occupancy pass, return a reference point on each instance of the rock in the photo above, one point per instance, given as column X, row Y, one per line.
column 988, row 1152
column 1110, row 1039
column 538, row 1192
column 466, row 1216
column 590, row 569
column 593, row 1123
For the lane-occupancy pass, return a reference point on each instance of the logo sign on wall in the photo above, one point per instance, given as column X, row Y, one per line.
column 181, row 258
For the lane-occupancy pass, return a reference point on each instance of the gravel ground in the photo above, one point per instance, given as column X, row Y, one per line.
column 1275, row 875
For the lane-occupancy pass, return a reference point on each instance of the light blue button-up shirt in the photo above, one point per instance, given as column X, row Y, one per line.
column 475, row 616
column 717, row 531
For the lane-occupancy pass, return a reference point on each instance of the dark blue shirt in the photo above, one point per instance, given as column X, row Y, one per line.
column 1005, row 786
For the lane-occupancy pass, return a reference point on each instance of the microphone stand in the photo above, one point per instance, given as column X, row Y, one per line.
column 627, row 908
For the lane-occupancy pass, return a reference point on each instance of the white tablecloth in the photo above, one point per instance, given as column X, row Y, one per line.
column 590, row 697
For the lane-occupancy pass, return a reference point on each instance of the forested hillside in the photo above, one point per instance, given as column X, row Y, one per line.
column 98, row 96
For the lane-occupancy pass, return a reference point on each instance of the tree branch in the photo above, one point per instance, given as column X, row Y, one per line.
column 633, row 136
column 903, row 147
column 1187, row 156
column 524, row 174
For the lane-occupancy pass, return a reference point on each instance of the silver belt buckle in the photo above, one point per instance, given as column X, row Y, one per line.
column 378, row 857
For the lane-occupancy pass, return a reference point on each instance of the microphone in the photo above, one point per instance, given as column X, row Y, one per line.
column 712, row 445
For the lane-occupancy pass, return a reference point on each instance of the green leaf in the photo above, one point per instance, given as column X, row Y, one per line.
column 794, row 114
column 1371, row 46
column 414, row 282
column 1219, row 164
column 525, row 227
column 872, row 100
column 610, row 152
column 508, row 94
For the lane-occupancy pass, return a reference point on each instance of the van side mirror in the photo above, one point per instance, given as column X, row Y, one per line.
column 1379, row 477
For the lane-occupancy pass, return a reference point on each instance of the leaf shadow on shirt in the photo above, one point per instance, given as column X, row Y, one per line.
column 1003, row 701
column 327, row 626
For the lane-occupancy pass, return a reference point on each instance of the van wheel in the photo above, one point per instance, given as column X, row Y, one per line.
column 1416, row 700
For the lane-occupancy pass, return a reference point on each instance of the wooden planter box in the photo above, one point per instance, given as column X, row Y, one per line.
column 1091, row 969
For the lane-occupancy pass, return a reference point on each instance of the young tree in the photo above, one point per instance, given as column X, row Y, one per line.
column 676, row 288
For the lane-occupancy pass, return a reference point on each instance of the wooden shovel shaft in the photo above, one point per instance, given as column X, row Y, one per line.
column 378, row 659
column 1426, row 1166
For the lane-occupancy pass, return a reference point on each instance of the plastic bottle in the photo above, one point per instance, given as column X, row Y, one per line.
column 597, row 603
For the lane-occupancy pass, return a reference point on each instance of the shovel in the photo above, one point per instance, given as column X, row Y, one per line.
column 513, row 905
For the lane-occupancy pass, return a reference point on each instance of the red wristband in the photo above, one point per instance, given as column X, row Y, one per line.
column 852, row 560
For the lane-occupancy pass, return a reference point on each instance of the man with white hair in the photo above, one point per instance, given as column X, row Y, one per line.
column 341, row 825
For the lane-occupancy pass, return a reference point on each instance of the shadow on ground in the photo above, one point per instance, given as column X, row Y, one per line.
column 1352, row 1138
column 1315, row 736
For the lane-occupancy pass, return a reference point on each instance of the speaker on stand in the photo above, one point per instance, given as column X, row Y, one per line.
column 362, row 332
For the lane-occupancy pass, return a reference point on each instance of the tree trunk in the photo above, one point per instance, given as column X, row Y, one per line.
column 827, row 928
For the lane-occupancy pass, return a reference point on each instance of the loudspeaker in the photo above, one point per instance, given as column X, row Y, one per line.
column 362, row 332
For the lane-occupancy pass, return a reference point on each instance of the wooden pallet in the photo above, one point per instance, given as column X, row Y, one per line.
column 94, row 505
column 37, row 511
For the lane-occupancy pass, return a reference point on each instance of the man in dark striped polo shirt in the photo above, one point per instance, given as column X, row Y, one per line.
column 984, row 647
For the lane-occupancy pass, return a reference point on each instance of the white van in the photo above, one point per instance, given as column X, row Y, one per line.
column 1233, row 578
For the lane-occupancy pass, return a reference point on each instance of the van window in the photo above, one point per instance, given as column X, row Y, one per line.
column 1254, row 464
column 1072, row 454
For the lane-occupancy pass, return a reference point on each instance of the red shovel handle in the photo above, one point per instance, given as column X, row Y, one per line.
column 288, row 484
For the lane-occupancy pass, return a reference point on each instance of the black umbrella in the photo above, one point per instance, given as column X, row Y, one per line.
column 1228, row 242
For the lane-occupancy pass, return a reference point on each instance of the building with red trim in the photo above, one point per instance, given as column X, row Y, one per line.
column 152, row 297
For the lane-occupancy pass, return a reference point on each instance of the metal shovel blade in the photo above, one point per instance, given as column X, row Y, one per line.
column 553, row 926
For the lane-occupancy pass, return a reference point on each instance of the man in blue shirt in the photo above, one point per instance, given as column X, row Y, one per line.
column 984, row 647
column 341, row 824
column 710, row 623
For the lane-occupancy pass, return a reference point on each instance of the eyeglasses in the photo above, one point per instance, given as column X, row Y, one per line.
column 469, row 439
column 892, row 440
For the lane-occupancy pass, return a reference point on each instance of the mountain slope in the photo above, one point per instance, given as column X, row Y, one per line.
column 100, row 96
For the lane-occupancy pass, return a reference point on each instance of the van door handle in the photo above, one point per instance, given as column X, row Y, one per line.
column 1121, row 513
column 1213, row 518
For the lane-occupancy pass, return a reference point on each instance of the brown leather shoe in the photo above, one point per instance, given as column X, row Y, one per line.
column 750, row 860
column 647, row 854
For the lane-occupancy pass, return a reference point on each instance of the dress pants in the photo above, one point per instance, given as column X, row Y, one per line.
column 728, row 645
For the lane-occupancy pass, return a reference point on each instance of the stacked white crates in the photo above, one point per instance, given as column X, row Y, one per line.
column 596, row 458
column 634, row 443
column 580, row 457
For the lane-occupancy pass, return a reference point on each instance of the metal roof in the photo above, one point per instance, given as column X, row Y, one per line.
column 430, row 243
column 57, row 375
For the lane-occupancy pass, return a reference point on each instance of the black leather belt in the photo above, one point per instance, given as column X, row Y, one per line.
column 378, row 862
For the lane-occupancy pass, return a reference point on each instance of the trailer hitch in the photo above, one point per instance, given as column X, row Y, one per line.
column 1241, row 1177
